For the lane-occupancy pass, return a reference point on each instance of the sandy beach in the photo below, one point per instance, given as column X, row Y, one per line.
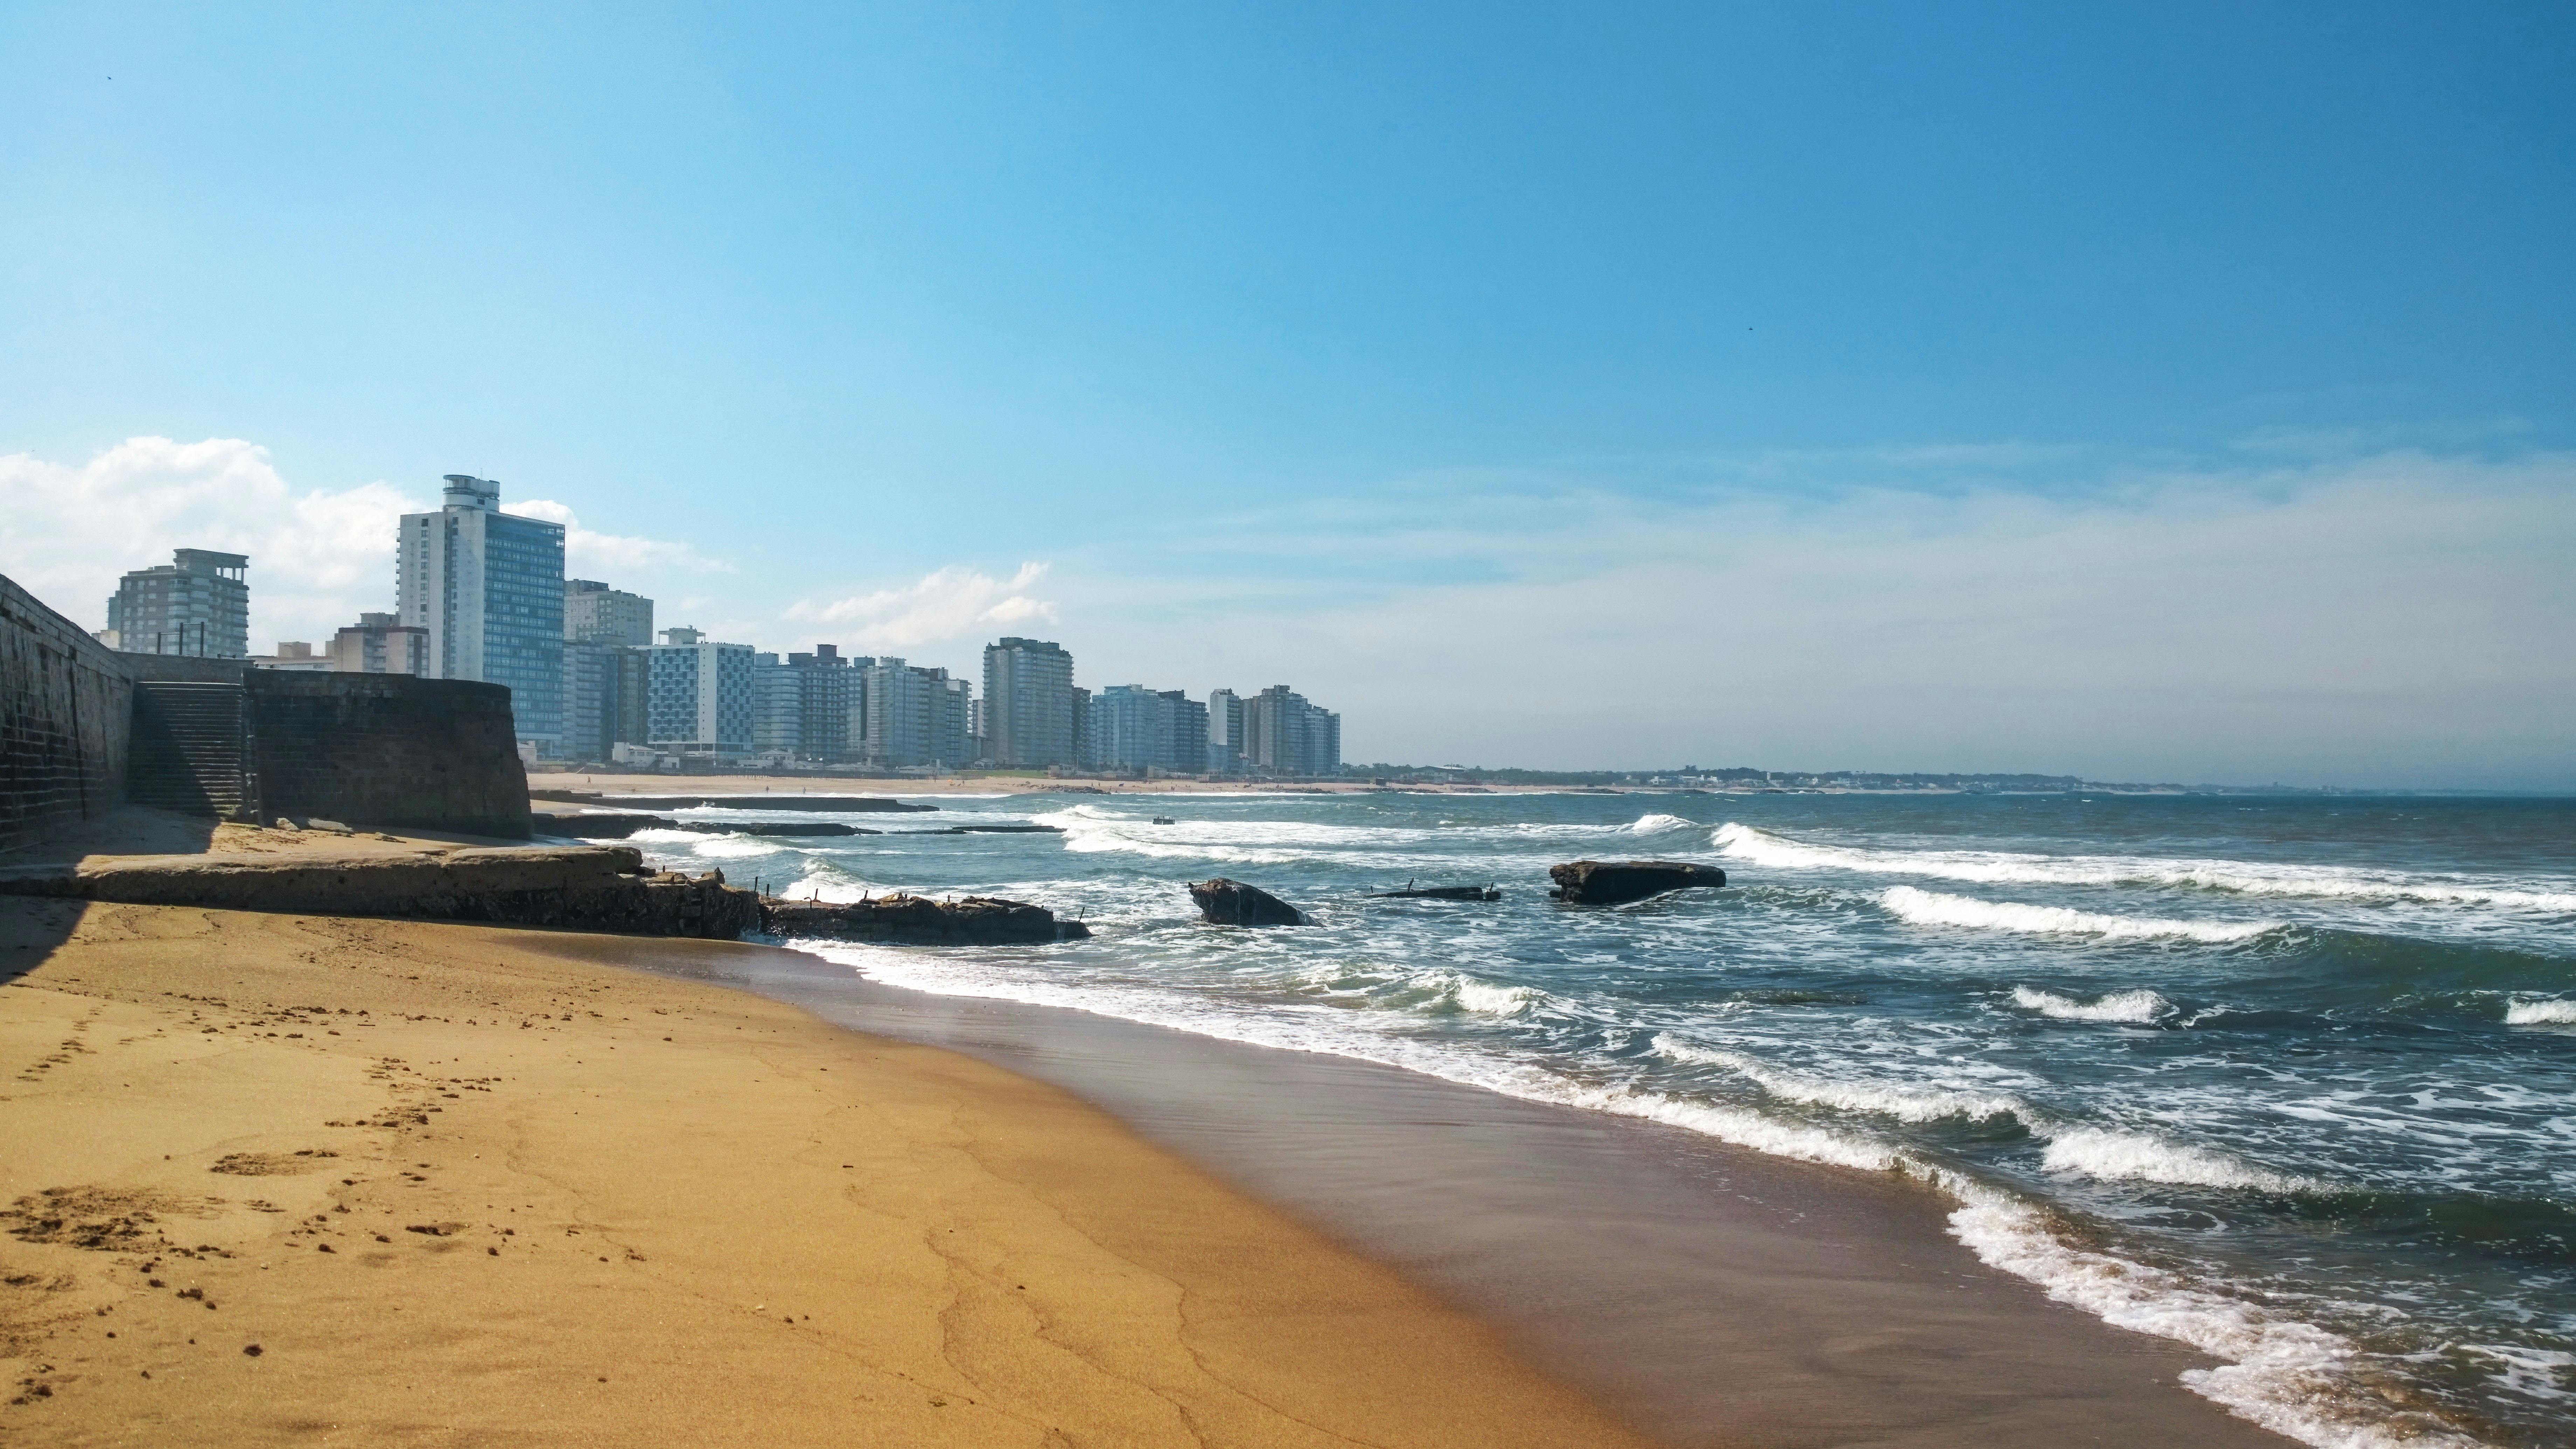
column 275, row 1178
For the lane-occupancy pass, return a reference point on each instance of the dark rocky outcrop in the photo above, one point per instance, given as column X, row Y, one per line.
column 1439, row 893
column 1616, row 882
column 1224, row 902
column 919, row 920
column 583, row 887
column 606, row 825
column 600, row 826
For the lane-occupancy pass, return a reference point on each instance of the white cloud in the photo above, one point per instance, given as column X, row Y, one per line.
column 317, row 557
column 589, row 554
column 2397, row 619
column 946, row 605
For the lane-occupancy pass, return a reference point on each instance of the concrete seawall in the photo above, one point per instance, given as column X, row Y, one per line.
column 591, row 887
column 374, row 749
column 65, row 707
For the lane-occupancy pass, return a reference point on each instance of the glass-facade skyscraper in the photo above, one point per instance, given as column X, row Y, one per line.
column 489, row 588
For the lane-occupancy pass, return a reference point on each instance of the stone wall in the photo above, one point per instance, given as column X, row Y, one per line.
column 390, row 749
column 376, row 749
column 65, row 706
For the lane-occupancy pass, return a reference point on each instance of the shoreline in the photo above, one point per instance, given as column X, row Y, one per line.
column 1721, row 1294
column 1704, row 1293
column 276, row 1178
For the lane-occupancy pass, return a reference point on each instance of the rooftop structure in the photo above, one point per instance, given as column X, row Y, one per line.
column 197, row 604
column 594, row 613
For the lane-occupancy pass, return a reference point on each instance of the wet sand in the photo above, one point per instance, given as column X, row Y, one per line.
column 273, row 1178
column 1718, row 1295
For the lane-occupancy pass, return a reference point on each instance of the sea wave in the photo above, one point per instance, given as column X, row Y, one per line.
column 1904, row 1102
column 1485, row 998
column 2130, row 1006
column 1751, row 843
column 1934, row 908
column 2548, row 1011
column 2110, row 1154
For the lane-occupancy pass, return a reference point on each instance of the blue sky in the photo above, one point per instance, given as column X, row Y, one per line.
column 1590, row 339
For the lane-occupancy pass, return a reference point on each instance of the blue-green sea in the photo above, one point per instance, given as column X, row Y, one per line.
column 2292, row 1080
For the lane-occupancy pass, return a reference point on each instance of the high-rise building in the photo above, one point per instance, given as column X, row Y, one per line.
column 1286, row 734
column 699, row 696
column 1085, row 755
column 604, row 685
column 380, row 644
column 1028, row 704
column 1225, row 732
column 1135, row 728
column 629, row 710
column 198, row 604
column 914, row 716
column 594, row 613
column 810, row 706
column 489, row 589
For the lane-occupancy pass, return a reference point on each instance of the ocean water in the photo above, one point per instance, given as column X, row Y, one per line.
column 2287, row 1079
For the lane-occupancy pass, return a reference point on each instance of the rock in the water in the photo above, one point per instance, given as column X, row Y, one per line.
column 1439, row 893
column 774, row 827
column 1615, row 882
column 919, row 920
column 599, row 825
column 1223, row 902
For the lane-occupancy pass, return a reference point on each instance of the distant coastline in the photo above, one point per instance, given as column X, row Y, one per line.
column 1465, row 780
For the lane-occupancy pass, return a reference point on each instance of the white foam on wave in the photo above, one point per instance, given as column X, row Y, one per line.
column 2289, row 1376
column 2129, row 1006
column 1905, row 1103
column 2112, row 1155
column 1936, row 908
column 1658, row 824
column 2549, row 1011
column 1746, row 842
column 1485, row 998
column 2099, row 1152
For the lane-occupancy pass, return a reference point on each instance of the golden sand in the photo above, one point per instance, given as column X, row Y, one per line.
column 281, row 1178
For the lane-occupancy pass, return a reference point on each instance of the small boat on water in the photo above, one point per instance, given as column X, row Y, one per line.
column 1412, row 892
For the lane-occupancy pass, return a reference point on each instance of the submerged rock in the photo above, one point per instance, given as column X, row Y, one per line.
column 919, row 920
column 1615, row 882
column 1224, row 902
column 599, row 826
column 1439, row 893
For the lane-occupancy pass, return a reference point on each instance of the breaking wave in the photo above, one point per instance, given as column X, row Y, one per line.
column 2536, row 1013
column 1746, row 842
column 2102, row 1152
column 1933, row 908
column 2130, row 1006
